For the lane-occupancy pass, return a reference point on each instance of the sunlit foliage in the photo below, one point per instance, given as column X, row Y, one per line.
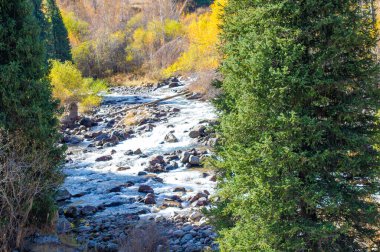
column 146, row 40
column 76, row 28
column 202, row 33
column 70, row 86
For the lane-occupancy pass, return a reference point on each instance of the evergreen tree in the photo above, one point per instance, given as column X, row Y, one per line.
column 58, row 40
column 298, row 169
column 26, row 105
column 53, row 30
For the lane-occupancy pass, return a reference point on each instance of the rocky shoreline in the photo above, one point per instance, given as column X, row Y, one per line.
column 148, row 170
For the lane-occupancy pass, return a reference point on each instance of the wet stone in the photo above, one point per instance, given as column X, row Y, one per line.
column 104, row 158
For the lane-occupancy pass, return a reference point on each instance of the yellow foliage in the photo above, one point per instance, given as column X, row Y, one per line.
column 147, row 39
column 202, row 33
column 118, row 36
column 76, row 28
column 81, row 51
column 70, row 86
column 173, row 28
column 134, row 22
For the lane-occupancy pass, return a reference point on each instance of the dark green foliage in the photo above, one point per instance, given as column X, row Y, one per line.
column 26, row 104
column 53, row 31
column 193, row 5
column 200, row 3
column 58, row 42
column 298, row 124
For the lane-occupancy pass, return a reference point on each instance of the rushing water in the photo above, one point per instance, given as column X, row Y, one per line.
column 93, row 180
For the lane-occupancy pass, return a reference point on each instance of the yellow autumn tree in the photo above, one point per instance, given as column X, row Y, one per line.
column 70, row 86
column 77, row 29
column 147, row 50
column 202, row 33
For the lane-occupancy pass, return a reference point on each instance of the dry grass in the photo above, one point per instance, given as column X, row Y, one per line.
column 136, row 117
column 147, row 237
column 203, row 85
column 130, row 80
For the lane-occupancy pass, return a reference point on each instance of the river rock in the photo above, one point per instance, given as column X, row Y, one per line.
column 87, row 122
column 150, row 199
column 156, row 164
column 104, row 158
column 115, row 189
column 72, row 139
column 92, row 135
column 186, row 238
column 63, row 195
column 71, row 212
column 145, row 189
column 170, row 138
column 123, row 168
column 198, row 196
column 137, row 152
column 179, row 189
column 194, row 160
column 213, row 178
column 120, row 135
column 88, row 210
column 185, row 157
column 129, row 153
column 201, row 202
column 195, row 216
column 156, row 160
column 197, row 131
column 172, row 166
column 171, row 203
column 173, row 84
column 179, row 233
column 63, row 226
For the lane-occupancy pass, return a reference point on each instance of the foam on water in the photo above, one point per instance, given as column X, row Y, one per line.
column 84, row 175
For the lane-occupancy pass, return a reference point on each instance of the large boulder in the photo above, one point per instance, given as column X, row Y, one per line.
column 156, row 164
column 104, row 158
column 150, row 199
column 170, row 138
column 62, row 195
column 145, row 189
column 185, row 157
column 194, row 160
column 87, row 122
column 197, row 131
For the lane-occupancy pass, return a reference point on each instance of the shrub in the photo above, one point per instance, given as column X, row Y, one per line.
column 69, row 86
column 26, row 179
